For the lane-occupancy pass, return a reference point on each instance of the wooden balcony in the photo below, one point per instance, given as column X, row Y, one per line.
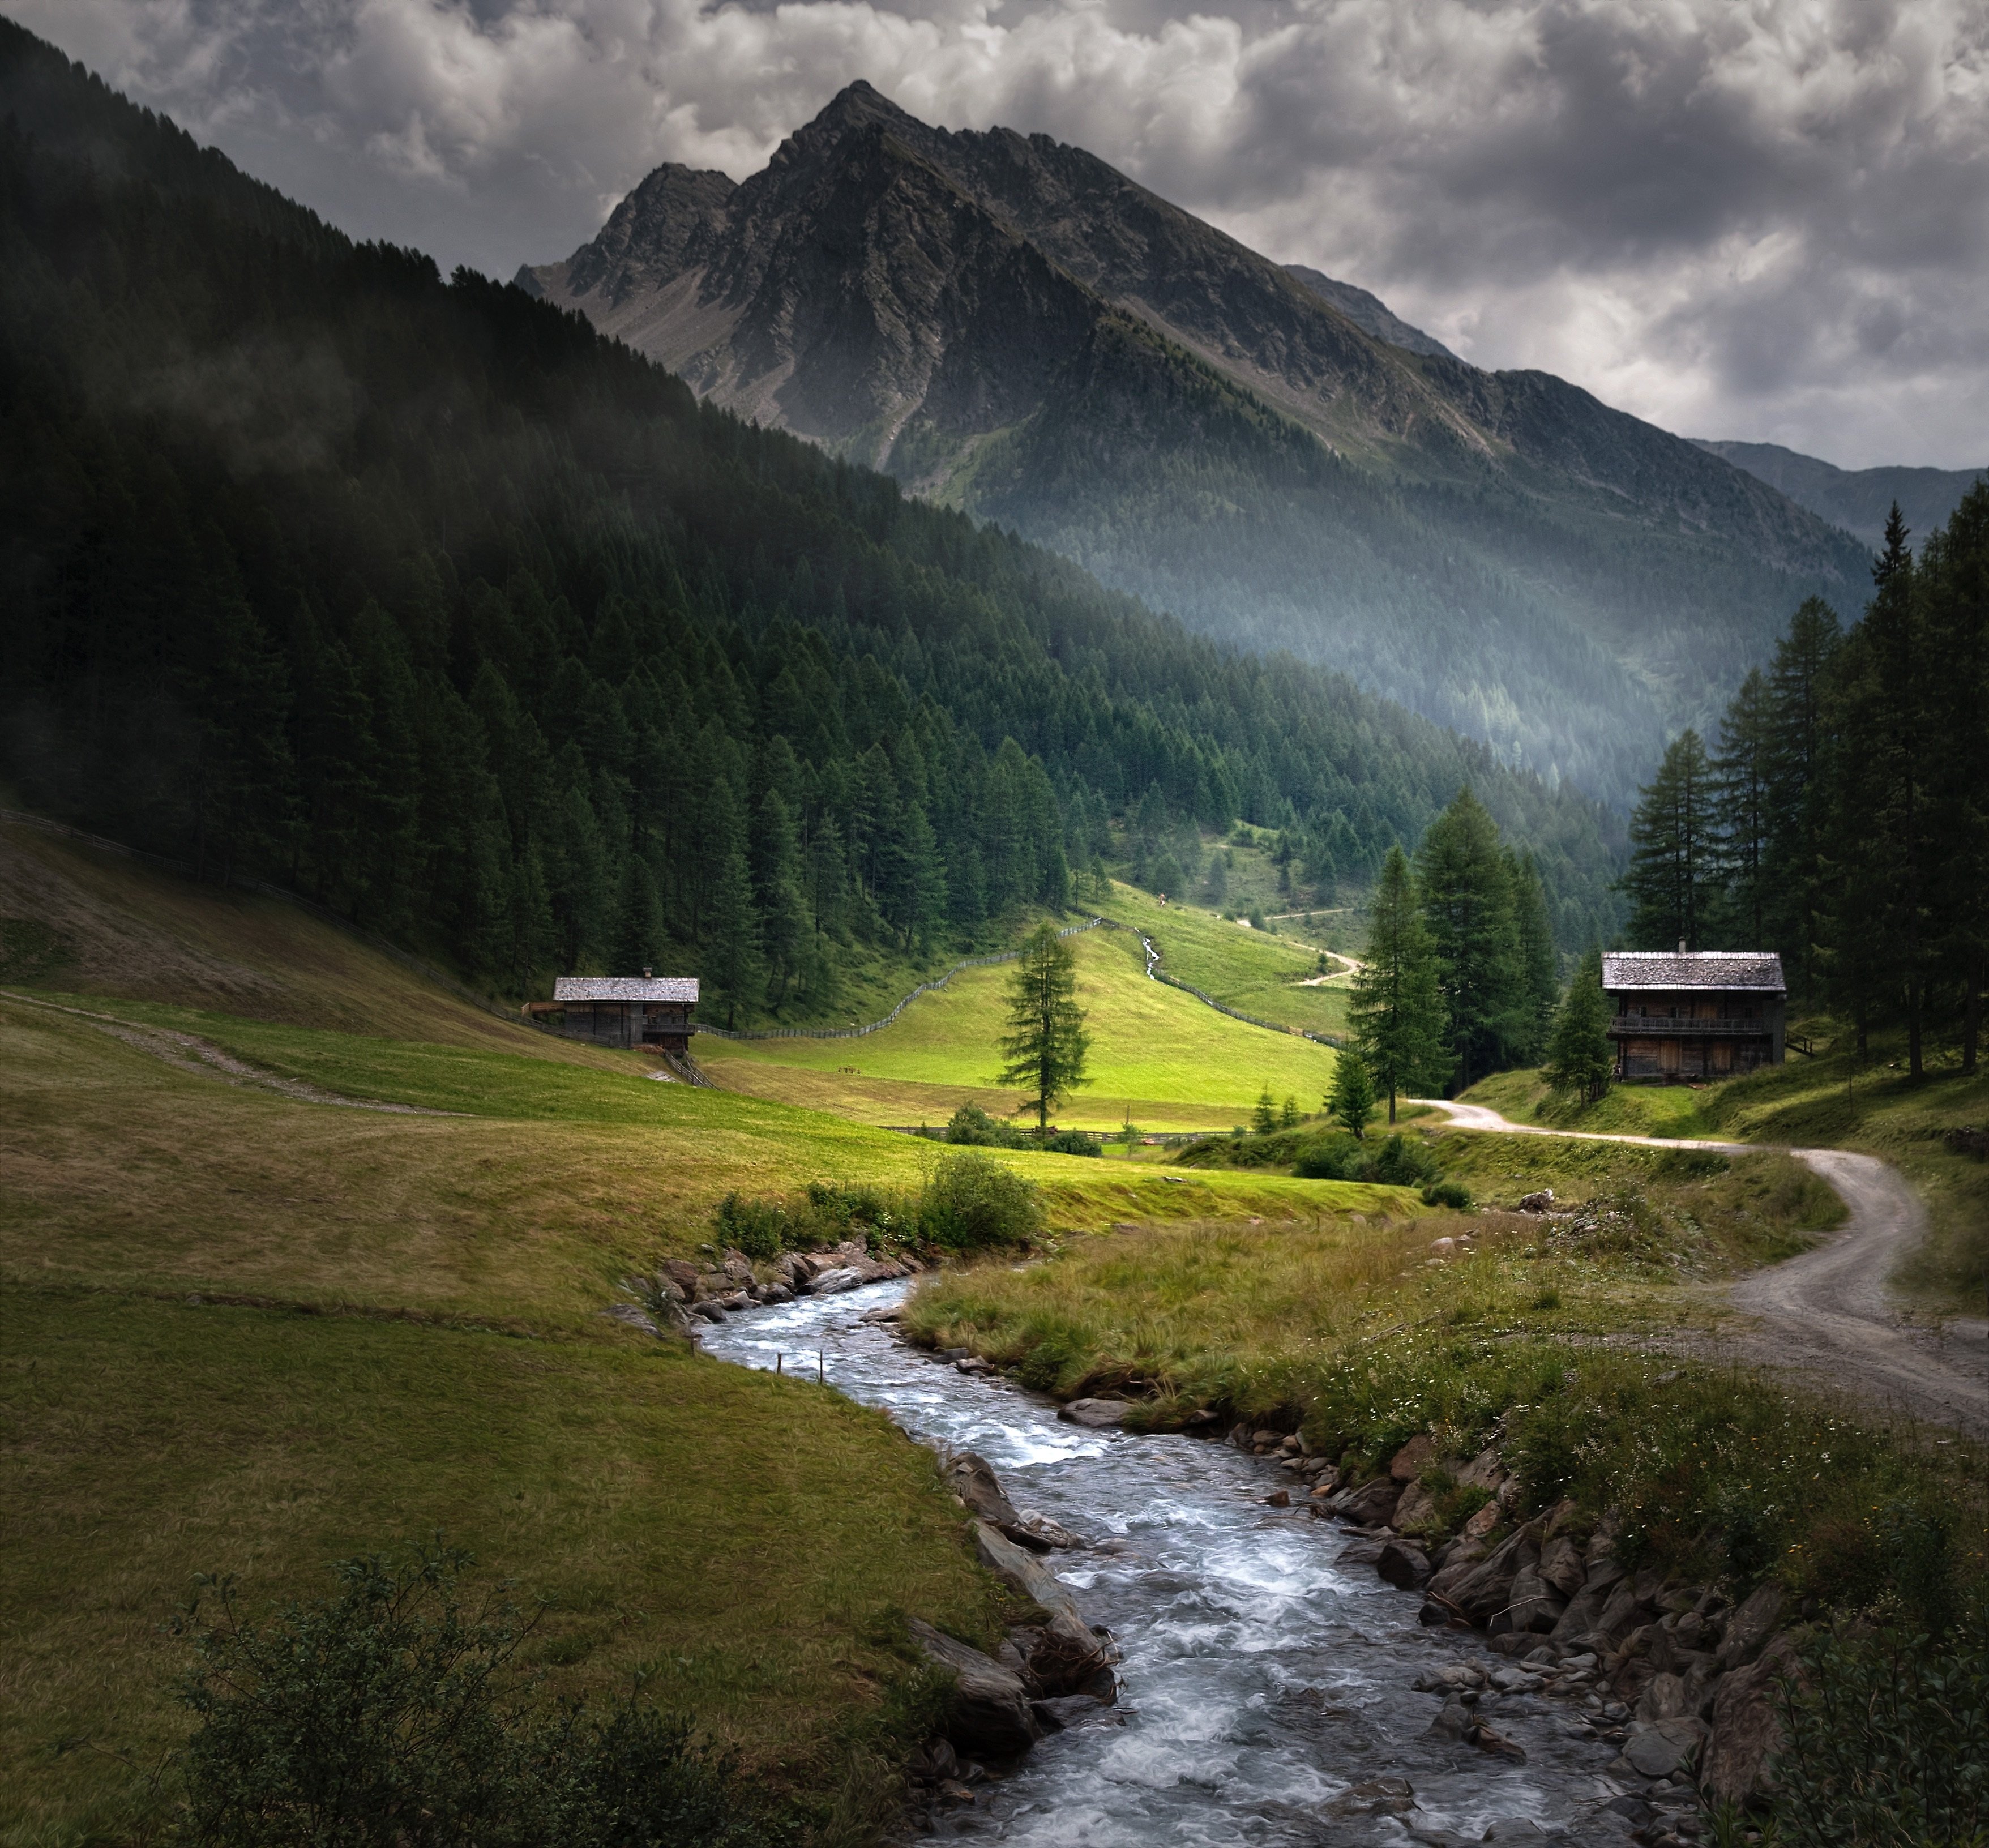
column 1658, row 1027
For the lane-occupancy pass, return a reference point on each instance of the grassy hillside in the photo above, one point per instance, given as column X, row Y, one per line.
column 242, row 1331
column 1834, row 1101
column 1156, row 1052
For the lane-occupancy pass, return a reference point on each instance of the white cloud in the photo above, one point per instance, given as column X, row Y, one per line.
column 1768, row 221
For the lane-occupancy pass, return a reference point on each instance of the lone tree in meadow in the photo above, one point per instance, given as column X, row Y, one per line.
column 1397, row 1010
column 1046, row 1044
column 1580, row 1058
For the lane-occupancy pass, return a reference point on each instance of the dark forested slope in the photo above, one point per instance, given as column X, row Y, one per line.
column 1009, row 324
column 427, row 598
column 1858, row 500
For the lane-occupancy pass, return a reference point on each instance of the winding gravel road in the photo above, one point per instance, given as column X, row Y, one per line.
column 1829, row 1312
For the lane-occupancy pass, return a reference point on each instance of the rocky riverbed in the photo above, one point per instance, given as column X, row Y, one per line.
column 1270, row 1686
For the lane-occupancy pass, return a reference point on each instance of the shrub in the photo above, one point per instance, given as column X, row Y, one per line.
column 972, row 1203
column 1403, row 1162
column 1333, row 1157
column 970, row 1127
column 1070, row 1142
column 387, row 1717
column 1887, row 1738
column 759, row 1227
column 1447, row 1193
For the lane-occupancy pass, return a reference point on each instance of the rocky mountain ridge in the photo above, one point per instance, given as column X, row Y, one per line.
column 1856, row 499
column 1009, row 324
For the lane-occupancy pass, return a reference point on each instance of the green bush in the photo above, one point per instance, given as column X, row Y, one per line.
column 761, row 1229
column 1448, row 1193
column 973, row 1203
column 1070, row 1142
column 970, row 1127
column 1331, row 1157
column 1887, row 1738
column 387, row 1717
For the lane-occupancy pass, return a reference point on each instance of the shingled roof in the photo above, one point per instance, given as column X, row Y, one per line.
column 1631, row 969
column 625, row 988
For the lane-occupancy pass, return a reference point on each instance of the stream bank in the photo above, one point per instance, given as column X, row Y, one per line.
column 1271, row 1686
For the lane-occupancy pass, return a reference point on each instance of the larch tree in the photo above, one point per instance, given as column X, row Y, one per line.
column 1046, row 1046
column 1396, row 1010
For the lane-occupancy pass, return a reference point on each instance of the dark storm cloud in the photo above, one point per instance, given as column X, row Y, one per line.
column 1766, row 220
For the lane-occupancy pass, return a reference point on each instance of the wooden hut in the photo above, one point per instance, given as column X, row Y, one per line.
column 1687, row 1015
column 623, row 1010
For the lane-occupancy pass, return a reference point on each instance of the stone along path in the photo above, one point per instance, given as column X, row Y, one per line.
column 1829, row 1310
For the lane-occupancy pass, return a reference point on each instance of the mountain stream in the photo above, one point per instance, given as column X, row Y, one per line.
column 1266, row 1687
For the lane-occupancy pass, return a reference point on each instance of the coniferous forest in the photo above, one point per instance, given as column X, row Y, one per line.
column 1842, row 816
column 418, row 596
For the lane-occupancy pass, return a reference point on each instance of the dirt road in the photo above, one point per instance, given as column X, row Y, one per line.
column 1828, row 1312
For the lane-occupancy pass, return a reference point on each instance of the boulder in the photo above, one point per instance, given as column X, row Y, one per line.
column 1562, row 1565
column 1377, row 1796
column 1486, row 1589
column 988, row 1713
column 630, row 1317
column 1372, row 1504
column 974, row 1481
column 1483, row 1522
column 737, row 1268
column 1655, row 1748
column 1483, row 1471
column 832, row 1283
column 1499, row 1745
column 1413, row 1458
column 681, row 1276
column 1404, row 1567
column 1279, row 1498
column 1098, row 1414
column 1068, row 1655
column 1748, row 1627
column 1542, row 1202
column 1531, row 1604
column 1040, row 1531
column 711, row 1312
column 1416, row 1510
column 1746, row 1727
column 776, row 1292
column 1665, row 1697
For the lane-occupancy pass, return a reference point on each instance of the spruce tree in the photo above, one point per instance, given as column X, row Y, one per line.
column 1264, row 1117
column 1467, row 908
column 1673, row 868
column 1351, row 1102
column 777, row 876
column 1536, row 986
column 1742, row 779
column 1046, row 1046
column 1581, row 1058
column 1397, row 1011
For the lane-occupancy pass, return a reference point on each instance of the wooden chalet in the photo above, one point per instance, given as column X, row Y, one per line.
column 623, row 1010
column 1694, row 1014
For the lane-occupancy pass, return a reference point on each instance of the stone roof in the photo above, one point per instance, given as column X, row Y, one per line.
column 625, row 988
column 1753, row 969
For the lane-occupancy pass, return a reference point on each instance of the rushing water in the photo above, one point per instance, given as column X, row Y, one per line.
column 1265, row 1680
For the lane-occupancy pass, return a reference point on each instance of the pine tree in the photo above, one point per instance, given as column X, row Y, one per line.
column 1886, row 815
column 1742, row 776
column 1799, row 790
column 1537, row 988
column 1580, row 1056
column 1352, row 1102
column 1397, row 1011
column 1467, row 906
column 1264, row 1118
column 1672, row 868
column 777, row 876
column 731, row 934
column 1288, row 1117
column 1046, row 1045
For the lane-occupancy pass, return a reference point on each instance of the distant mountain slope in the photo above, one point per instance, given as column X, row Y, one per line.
column 1009, row 325
column 424, row 599
column 1369, row 312
column 1858, row 500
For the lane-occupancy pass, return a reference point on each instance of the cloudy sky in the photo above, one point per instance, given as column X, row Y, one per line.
column 1766, row 219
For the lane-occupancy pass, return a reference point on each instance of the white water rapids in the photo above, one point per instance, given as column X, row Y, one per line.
column 1264, row 1682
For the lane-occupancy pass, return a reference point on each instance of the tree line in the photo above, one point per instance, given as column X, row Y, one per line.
column 1460, row 976
column 423, row 597
column 1842, row 817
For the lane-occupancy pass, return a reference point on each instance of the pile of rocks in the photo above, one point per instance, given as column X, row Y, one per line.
column 682, row 1292
column 1045, row 1676
column 1678, row 1676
